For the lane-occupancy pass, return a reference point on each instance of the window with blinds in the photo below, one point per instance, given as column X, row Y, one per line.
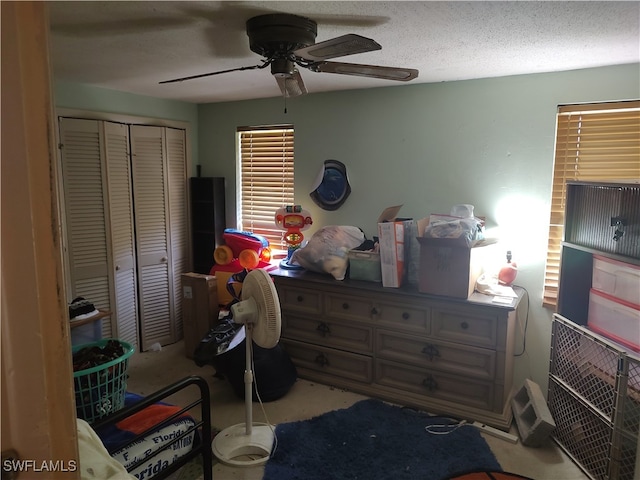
column 593, row 142
column 265, row 179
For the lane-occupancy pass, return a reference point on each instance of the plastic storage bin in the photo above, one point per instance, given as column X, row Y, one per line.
column 365, row 266
column 618, row 279
column 87, row 333
column 614, row 319
column 101, row 390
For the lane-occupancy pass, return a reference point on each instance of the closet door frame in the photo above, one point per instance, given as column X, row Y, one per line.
column 133, row 120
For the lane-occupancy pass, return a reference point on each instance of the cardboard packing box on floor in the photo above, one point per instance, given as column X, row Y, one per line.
column 451, row 267
column 199, row 308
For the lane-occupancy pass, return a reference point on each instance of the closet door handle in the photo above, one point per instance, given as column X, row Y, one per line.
column 117, row 267
column 164, row 259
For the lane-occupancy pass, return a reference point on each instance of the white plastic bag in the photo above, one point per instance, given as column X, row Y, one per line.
column 327, row 250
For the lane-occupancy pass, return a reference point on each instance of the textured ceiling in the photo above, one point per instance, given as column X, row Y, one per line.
column 131, row 46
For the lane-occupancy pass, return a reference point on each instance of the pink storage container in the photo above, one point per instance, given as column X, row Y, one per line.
column 619, row 321
column 618, row 279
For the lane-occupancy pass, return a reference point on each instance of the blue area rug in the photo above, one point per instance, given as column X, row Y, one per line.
column 373, row 440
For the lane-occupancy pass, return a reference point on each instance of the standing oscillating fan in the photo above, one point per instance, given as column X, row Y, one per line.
column 248, row 444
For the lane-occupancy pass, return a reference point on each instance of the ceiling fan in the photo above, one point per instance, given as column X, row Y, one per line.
column 287, row 41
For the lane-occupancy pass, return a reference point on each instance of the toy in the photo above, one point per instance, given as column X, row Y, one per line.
column 241, row 251
column 293, row 219
column 249, row 248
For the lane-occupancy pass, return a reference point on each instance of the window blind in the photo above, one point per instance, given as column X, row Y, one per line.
column 266, row 179
column 594, row 142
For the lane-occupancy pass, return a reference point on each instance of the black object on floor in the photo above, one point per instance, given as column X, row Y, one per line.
column 274, row 372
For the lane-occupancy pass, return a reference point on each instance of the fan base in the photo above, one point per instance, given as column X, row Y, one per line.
column 232, row 446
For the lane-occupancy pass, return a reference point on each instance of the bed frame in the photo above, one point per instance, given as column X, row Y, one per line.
column 204, row 446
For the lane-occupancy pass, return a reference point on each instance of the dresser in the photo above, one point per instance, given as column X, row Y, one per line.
column 447, row 356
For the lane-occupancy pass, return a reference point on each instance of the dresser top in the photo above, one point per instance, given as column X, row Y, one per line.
column 325, row 279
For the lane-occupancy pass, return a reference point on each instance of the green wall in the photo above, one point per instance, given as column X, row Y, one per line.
column 485, row 142
column 89, row 98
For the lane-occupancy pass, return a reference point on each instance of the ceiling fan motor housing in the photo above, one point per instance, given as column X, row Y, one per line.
column 279, row 34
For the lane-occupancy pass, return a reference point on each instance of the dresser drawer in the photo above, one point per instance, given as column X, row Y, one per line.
column 446, row 357
column 434, row 384
column 348, row 307
column 337, row 334
column 463, row 326
column 297, row 299
column 402, row 317
column 328, row 361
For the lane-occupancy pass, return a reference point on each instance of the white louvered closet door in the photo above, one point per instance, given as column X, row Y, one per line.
column 178, row 215
column 151, row 203
column 83, row 170
column 122, row 239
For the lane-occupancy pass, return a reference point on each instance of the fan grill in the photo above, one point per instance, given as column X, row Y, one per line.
column 270, row 305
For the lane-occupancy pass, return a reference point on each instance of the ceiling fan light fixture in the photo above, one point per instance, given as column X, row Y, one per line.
column 291, row 85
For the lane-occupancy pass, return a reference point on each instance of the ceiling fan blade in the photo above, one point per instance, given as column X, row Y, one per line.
column 191, row 77
column 373, row 71
column 349, row 44
column 291, row 85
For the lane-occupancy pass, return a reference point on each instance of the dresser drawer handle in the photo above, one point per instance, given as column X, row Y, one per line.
column 430, row 383
column 300, row 298
column 431, row 351
column 345, row 306
column 324, row 329
column 374, row 311
column 322, row 360
column 405, row 316
column 464, row 325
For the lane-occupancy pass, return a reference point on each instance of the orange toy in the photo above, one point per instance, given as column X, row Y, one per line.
column 293, row 219
column 242, row 251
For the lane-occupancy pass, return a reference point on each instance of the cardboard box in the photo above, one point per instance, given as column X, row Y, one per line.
column 450, row 267
column 399, row 250
column 391, row 239
column 200, row 308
